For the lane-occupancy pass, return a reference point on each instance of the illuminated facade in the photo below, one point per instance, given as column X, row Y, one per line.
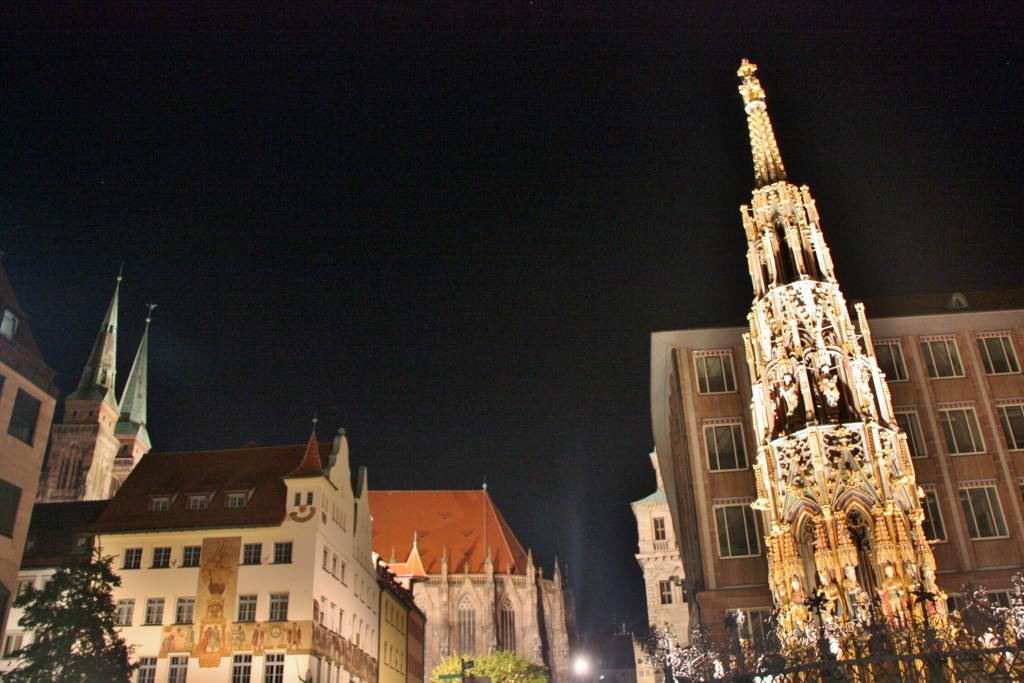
column 803, row 470
column 659, row 559
column 100, row 439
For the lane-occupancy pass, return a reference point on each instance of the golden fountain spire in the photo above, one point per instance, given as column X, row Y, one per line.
column 768, row 166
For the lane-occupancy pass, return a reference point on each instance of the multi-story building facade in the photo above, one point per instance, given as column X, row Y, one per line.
column 662, row 567
column 401, row 622
column 806, row 453
column 100, row 438
column 251, row 564
column 477, row 586
column 28, row 396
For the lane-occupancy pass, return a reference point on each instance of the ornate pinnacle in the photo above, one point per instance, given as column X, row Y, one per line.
column 768, row 166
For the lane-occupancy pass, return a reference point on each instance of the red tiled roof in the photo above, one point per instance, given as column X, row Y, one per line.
column 250, row 469
column 311, row 466
column 452, row 520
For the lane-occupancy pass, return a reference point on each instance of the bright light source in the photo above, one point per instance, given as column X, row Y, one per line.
column 581, row 665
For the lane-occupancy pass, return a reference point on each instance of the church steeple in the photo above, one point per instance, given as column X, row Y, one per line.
column 133, row 400
column 97, row 381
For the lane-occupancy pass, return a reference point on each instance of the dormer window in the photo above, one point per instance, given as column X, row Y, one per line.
column 235, row 499
column 159, row 503
column 9, row 324
column 198, row 502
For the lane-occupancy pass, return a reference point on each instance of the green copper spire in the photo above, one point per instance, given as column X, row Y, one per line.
column 97, row 382
column 133, row 400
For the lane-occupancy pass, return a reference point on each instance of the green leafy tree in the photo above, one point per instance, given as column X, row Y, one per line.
column 72, row 619
column 502, row 666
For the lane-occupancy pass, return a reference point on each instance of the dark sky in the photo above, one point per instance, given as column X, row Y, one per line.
column 452, row 231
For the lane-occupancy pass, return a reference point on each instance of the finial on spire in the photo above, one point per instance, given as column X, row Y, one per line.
column 315, row 420
column 149, row 313
column 485, row 482
column 120, row 272
column 768, row 166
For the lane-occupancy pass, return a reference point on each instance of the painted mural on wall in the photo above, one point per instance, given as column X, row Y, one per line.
column 293, row 637
column 215, row 598
column 344, row 653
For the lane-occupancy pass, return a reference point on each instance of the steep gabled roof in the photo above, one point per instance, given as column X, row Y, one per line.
column 445, row 521
column 311, row 465
column 259, row 472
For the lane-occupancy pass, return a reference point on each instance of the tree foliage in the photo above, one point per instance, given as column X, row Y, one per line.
column 502, row 666
column 72, row 619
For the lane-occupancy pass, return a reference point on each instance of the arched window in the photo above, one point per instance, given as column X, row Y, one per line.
column 507, row 626
column 467, row 627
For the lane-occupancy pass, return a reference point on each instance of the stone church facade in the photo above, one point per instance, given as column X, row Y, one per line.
column 480, row 590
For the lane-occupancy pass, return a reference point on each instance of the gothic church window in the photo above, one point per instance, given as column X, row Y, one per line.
column 714, row 372
column 467, row 627
column 507, row 626
column 997, row 354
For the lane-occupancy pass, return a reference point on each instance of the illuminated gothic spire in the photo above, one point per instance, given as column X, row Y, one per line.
column 768, row 166
column 133, row 400
column 98, row 378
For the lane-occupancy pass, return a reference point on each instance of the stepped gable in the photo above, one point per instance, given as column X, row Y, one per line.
column 258, row 471
column 449, row 522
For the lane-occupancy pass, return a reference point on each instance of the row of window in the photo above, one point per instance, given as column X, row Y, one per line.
column 199, row 501
column 467, row 625
column 241, row 668
column 941, row 356
column 738, row 532
column 335, row 566
column 252, row 553
column 184, row 610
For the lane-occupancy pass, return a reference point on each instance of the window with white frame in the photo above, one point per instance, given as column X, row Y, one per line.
column 660, row 533
column 9, row 324
column 251, row 553
column 132, row 558
column 197, row 502
column 125, row 612
column 934, row 529
column 754, row 624
column 273, row 668
column 184, row 610
column 737, row 531
column 154, row 612
column 278, row 607
column 714, row 372
column 161, row 558
column 235, row 499
column 241, row 668
column 246, row 608
column 725, row 446
column 159, row 504
column 1011, row 417
column 24, row 585
column 997, row 354
column 12, row 643
column 889, row 357
column 177, row 669
column 146, row 670
column 911, row 426
column 983, row 512
column 942, row 358
column 960, row 427
column 665, row 592
column 190, row 555
column 283, row 552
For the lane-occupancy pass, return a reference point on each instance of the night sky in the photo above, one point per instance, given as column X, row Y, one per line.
column 452, row 231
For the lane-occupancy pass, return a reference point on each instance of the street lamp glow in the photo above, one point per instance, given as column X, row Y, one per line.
column 581, row 665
